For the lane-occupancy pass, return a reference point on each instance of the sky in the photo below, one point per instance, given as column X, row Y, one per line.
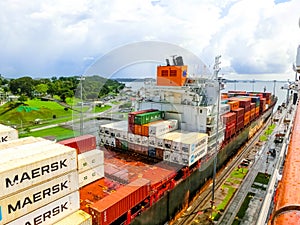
column 257, row 39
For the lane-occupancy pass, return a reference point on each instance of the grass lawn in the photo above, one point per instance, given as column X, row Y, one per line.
column 59, row 132
column 241, row 213
column 14, row 113
column 101, row 109
column 235, row 177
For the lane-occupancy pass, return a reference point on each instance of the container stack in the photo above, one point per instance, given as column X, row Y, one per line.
column 38, row 182
column 185, row 148
column 229, row 120
column 90, row 160
column 7, row 133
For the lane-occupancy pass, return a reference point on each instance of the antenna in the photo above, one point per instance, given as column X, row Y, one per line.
column 173, row 58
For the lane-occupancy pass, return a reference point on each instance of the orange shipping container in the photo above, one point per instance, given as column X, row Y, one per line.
column 137, row 129
column 234, row 105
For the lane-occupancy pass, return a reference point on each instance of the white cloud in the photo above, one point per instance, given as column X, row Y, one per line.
column 42, row 38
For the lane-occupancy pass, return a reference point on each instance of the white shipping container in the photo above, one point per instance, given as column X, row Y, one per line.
column 193, row 142
column 91, row 175
column 145, row 141
column 18, row 142
column 79, row 217
column 137, row 139
column 24, row 172
column 21, row 203
column 131, row 137
column 162, row 127
column 90, row 159
column 7, row 133
column 52, row 212
column 189, row 160
column 169, row 138
column 152, row 141
column 21, row 150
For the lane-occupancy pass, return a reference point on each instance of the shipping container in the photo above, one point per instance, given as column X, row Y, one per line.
column 192, row 143
column 234, row 105
column 77, row 218
column 137, row 129
column 132, row 115
column 107, row 210
column 190, row 159
column 91, row 175
column 22, row 168
column 25, row 143
column 51, row 212
column 145, row 127
column 7, row 133
column 229, row 117
column 144, row 141
column 148, row 117
column 24, row 202
column 121, row 144
column 82, row 143
column 162, row 127
column 90, row 159
column 96, row 190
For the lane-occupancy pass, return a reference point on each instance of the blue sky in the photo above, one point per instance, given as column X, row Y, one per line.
column 65, row 38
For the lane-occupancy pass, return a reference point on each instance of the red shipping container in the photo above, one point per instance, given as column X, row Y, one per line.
column 252, row 105
column 239, row 111
column 107, row 210
column 82, row 143
column 95, row 191
column 229, row 117
column 130, row 128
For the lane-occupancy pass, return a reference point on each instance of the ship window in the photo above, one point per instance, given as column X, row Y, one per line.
column 200, row 111
column 164, row 73
column 173, row 73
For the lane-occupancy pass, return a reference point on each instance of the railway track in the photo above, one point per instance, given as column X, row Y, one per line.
column 199, row 205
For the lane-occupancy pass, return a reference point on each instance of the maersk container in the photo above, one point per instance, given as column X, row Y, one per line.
column 90, row 159
column 163, row 127
column 7, row 133
column 107, row 210
column 19, row 171
column 51, row 212
column 27, row 148
column 77, row 218
column 24, row 202
column 91, row 175
column 82, row 143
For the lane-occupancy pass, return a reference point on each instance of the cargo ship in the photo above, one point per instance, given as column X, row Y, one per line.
column 149, row 167
column 180, row 124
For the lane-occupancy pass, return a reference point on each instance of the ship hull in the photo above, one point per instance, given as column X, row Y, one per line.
column 177, row 199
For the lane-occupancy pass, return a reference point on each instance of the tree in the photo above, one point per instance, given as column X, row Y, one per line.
column 42, row 89
column 23, row 85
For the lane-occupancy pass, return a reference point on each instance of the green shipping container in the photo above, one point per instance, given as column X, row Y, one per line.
column 148, row 117
column 124, row 145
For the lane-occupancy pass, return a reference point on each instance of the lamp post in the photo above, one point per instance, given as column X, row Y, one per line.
column 81, row 110
column 216, row 71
